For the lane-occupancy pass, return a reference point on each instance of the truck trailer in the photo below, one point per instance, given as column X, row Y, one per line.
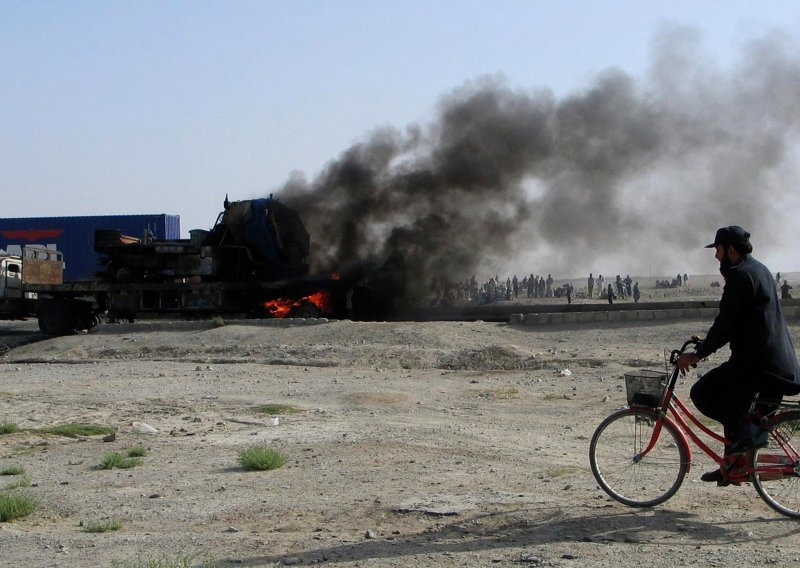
column 74, row 236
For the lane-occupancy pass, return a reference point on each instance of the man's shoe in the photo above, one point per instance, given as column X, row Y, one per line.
column 744, row 445
column 711, row 476
column 718, row 477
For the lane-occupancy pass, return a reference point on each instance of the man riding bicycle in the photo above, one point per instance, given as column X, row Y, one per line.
column 762, row 356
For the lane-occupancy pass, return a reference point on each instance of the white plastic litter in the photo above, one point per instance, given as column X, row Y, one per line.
column 143, row 428
column 566, row 373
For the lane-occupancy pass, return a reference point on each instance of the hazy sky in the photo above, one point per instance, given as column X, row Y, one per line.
column 117, row 107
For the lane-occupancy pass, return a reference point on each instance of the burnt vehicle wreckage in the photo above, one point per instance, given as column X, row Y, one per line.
column 252, row 263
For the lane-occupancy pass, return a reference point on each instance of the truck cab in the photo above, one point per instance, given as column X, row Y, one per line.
column 36, row 265
column 10, row 277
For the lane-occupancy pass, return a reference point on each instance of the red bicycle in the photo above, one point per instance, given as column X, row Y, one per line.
column 640, row 455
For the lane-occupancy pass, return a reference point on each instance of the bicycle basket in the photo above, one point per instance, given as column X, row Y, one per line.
column 645, row 387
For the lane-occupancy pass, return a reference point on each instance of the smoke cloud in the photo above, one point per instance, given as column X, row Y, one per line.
column 623, row 177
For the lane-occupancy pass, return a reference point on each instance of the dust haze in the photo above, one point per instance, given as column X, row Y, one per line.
column 629, row 175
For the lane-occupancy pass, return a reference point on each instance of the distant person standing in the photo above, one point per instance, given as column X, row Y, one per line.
column 636, row 293
column 590, row 284
column 610, row 293
column 620, row 287
column 785, row 291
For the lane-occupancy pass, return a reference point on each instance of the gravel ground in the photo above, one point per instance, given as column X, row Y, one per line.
column 414, row 444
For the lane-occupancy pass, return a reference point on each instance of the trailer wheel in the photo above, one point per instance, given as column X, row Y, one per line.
column 123, row 275
column 58, row 318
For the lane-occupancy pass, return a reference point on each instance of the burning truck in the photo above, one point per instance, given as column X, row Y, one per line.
column 252, row 263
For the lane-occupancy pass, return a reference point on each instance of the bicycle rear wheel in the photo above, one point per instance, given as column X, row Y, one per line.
column 777, row 466
column 614, row 454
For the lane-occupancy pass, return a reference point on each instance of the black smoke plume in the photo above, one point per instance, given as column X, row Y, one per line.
column 625, row 174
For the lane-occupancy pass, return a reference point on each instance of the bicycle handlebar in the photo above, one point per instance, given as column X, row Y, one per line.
column 673, row 357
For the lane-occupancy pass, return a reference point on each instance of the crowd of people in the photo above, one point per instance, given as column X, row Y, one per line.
column 495, row 289
column 535, row 286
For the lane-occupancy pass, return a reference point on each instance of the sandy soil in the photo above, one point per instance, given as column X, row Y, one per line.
column 436, row 444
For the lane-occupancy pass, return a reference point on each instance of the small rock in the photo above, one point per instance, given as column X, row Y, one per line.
column 369, row 534
column 154, row 496
column 292, row 561
column 110, row 438
column 232, row 530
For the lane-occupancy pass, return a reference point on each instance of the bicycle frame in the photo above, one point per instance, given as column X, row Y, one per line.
column 673, row 411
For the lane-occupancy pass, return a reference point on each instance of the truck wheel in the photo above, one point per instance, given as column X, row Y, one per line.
column 89, row 320
column 57, row 318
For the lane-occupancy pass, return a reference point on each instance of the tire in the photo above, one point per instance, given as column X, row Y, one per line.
column 123, row 275
column 89, row 320
column 58, row 318
column 781, row 491
column 620, row 472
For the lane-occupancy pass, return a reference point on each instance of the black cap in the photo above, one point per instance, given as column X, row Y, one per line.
column 731, row 235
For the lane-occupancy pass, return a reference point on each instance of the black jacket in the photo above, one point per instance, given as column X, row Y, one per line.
column 750, row 318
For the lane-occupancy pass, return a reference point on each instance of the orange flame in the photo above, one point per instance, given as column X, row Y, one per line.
column 281, row 307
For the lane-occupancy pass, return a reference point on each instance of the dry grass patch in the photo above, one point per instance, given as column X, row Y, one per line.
column 277, row 409
column 101, row 526
column 75, row 430
column 367, row 398
column 14, row 505
column 21, row 480
column 261, row 458
column 498, row 393
column 555, row 396
column 8, row 428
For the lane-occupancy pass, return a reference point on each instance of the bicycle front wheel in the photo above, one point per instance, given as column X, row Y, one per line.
column 776, row 474
column 621, row 470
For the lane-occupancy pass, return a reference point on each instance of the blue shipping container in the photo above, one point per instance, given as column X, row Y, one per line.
column 74, row 236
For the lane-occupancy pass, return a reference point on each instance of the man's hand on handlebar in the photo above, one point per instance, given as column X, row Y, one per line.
column 687, row 360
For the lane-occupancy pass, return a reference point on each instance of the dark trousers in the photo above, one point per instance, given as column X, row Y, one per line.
column 726, row 393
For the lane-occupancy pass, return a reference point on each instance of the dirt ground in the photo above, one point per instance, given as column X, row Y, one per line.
column 415, row 444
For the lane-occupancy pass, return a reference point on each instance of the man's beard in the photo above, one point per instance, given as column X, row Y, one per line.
column 725, row 266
